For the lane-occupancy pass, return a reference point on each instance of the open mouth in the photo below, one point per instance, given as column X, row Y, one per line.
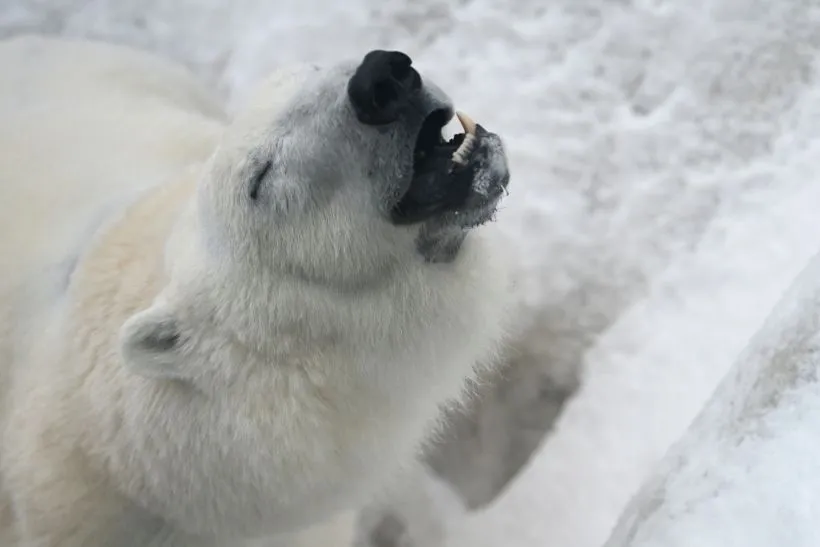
column 434, row 188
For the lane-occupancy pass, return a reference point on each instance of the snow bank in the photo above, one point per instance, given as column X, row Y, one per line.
column 747, row 472
column 737, row 120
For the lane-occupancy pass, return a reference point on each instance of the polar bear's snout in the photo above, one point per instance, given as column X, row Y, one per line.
column 456, row 182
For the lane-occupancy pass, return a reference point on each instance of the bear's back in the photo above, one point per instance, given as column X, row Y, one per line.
column 85, row 124
column 85, row 127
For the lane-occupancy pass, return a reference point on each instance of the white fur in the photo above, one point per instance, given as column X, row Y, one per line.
column 212, row 371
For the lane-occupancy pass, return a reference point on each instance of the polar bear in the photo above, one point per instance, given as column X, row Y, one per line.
column 213, row 330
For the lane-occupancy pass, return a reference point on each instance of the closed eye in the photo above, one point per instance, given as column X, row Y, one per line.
column 258, row 178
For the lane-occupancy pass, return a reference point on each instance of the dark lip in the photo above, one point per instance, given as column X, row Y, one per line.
column 428, row 191
column 458, row 194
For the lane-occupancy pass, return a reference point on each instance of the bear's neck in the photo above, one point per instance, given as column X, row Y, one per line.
column 123, row 269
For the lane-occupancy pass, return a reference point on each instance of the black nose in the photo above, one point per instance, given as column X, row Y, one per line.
column 382, row 86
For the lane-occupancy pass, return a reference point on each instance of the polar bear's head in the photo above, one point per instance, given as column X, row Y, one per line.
column 332, row 177
column 351, row 159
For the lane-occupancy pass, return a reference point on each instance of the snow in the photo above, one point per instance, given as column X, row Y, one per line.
column 663, row 196
column 746, row 473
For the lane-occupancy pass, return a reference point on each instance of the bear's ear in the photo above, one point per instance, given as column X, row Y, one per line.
column 150, row 343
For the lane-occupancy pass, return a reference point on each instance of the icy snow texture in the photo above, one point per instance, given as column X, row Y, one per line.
column 747, row 474
column 663, row 196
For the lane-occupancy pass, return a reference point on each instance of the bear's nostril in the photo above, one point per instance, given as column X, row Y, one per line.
column 381, row 86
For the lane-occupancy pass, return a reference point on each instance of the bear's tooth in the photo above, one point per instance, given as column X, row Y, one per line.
column 466, row 122
column 464, row 149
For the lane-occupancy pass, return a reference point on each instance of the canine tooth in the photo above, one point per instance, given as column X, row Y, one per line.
column 464, row 149
column 466, row 122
